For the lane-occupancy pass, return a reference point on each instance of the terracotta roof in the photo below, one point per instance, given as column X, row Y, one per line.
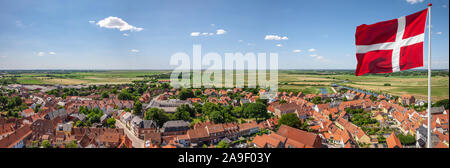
column 197, row 133
column 392, row 141
column 309, row 139
column 15, row 137
column 441, row 145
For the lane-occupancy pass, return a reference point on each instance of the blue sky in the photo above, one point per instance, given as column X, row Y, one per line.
column 51, row 34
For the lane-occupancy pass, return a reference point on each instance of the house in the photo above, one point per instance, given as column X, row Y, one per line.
column 57, row 113
column 299, row 139
column 6, row 129
column 176, row 127
column 421, row 137
column 152, row 139
column 198, row 136
column 104, row 118
column 284, row 108
column 169, row 106
column 126, row 118
column 247, row 129
column 407, row 100
column 136, row 123
column 27, row 113
column 77, row 117
column 65, row 128
column 16, row 139
column 438, row 110
column 393, row 142
column 269, row 141
column 43, row 127
column 146, row 126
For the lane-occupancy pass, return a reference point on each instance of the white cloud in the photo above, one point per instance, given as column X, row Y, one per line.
column 275, row 37
column 40, row 53
column 195, row 34
column 279, row 45
column 312, row 50
column 117, row 23
column 52, row 53
column 439, row 33
column 92, row 22
column 296, row 51
column 220, row 31
column 318, row 57
column 125, row 34
column 134, row 50
column 414, row 1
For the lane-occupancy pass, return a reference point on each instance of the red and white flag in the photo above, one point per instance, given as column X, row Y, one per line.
column 391, row 46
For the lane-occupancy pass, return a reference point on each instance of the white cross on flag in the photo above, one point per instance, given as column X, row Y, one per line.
column 391, row 46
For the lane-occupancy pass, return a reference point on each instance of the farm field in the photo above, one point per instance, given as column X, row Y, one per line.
column 76, row 78
column 306, row 81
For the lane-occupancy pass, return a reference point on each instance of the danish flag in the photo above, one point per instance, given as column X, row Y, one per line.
column 391, row 46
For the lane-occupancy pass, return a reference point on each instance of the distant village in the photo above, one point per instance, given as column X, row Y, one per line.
column 155, row 115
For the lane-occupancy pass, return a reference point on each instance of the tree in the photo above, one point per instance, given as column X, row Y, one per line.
column 216, row 117
column 72, row 144
column 185, row 93
column 157, row 115
column 407, row 139
column 256, row 110
column 105, row 95
column 186, row 108
column 79, row 123
column 46, row 144
column 111, row 122
column 291, row 120
column 237, row 111
column 443, row 102
column 183, row 112
column 137, row 108
column 223, row 144
column 210, row 107
column 344, row 99
column 125, row 95
column 198, row 92
column 317, row 100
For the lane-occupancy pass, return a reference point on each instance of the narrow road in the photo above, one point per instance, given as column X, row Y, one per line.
column 137, row 143
column 334, row 90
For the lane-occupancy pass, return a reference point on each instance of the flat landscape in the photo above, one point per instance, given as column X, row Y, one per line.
column 308, row 81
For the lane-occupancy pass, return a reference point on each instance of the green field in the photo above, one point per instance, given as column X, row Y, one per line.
column 306, row 81
column 75, row 78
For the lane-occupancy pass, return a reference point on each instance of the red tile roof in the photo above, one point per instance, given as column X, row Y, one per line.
column 303, row 137
column 392, row 141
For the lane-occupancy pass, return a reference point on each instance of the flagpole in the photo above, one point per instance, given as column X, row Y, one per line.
column 429, row 76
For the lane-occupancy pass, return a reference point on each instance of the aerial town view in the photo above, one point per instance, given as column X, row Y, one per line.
column 110, row 75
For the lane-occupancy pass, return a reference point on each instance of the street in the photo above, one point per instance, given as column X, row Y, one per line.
column 137, row 143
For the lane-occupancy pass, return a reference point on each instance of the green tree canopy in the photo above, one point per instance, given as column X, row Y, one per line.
column 185, row 93
column 223, row 144
column 137, row 108
column 256, row 110
column 157, row 115
column 291, row 120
